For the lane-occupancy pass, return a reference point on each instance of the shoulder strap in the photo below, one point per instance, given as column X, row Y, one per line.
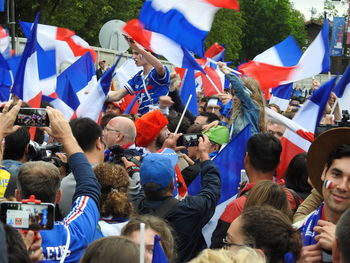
column 166, row 206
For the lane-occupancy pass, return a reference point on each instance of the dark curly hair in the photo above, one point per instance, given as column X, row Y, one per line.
column 114, row 181
column 272, row 231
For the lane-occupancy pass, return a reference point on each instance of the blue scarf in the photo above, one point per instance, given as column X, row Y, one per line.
column 307, row 230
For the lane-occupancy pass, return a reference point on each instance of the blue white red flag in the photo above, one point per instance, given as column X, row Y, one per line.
column 274, row 72
column 188, row 87
column 309, row 116
column 342, row 90
column 216, row 52
column 281, row 95
column 6, row 80
column 158, row 252
column 5, row 49
column 69, row 47
column 187, row 22
column 162, row 45
column 27, row 82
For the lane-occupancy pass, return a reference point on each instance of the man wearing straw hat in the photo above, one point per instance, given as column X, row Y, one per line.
column 328, row 164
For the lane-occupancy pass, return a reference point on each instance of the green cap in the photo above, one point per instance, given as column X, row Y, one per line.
column 218, row 134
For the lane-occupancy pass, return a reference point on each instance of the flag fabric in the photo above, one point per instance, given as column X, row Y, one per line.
column 186, row 22
column 188, row 87
column 213, row 81
column 6, row 80
column 280, row 69
column 162, row 45
column 123, row 74
column 281, row 95
column 92, row 105
column 5, row 49
column 2, row 5
column 215, row 52
column 27, row 82
column 69, row 47
column 158, row 252
column 342, row 90
column 309, row 116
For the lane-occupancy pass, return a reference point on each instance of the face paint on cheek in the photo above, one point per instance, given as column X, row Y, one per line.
column 140, row 57
column 328, row 184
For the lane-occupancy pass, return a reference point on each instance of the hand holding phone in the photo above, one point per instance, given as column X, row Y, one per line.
column 32, row 117
column 28, row 216
column 189, row 139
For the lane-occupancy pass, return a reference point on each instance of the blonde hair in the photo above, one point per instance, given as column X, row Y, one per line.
column 242, row 255
column 258, row 99
column 114, row 181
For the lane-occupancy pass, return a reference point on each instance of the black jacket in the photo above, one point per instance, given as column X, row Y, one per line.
column 189, row 216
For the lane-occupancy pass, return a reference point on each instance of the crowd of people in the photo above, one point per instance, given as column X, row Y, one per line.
column 132, row 170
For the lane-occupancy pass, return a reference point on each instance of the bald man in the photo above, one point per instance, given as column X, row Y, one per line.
column 121, row 131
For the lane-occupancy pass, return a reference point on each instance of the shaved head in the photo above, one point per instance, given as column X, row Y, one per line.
column 120, row 130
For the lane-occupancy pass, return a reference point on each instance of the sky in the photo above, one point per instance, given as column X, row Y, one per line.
column 305, row 6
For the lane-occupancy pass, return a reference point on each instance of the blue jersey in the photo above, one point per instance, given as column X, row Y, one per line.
column 156, row 87
column 77, row 230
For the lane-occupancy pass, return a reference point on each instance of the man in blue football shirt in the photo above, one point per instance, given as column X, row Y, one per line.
column 148, row 84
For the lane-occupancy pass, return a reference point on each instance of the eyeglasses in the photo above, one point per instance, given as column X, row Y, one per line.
column 227, row 244
column 109, row 129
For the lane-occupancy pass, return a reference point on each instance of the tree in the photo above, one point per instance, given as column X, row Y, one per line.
column 268, row 22
column 227, row 29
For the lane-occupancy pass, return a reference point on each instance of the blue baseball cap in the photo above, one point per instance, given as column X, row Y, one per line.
column 157, row 168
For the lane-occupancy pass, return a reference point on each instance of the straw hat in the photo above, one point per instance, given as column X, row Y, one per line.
column 320, row 150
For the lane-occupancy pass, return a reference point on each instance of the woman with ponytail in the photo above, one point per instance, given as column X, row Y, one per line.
column 115, row 207
column 267, row 229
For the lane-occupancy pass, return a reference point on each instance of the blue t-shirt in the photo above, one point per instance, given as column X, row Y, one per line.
column 156, row 86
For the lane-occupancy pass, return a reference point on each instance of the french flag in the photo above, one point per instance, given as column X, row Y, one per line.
column 281, row 95
column 162, row 45
column 74, row 86
column 309, row 116
column 342, row 90
column 27, row 82
column 69, row 47
column 213, row 82
column 216, row 52
column 188, row 88
column 186, row 22
column 5, row 49
column 274, row 71
column 6, row 80
column 92, row 105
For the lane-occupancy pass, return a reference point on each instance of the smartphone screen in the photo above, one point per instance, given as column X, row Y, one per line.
column 191, row 139
column 28, row 216
column 32, row 117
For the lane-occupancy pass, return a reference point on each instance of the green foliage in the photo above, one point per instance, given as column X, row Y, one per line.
column 259, row 25
column 227, row 29
column 267, row 23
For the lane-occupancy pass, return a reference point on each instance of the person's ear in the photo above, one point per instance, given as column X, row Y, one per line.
column 99, row 144
column 18, row 195
column 58, row 196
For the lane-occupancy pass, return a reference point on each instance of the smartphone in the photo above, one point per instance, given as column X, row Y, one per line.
column 189, row 139
column 28, row 216
column 32, row 117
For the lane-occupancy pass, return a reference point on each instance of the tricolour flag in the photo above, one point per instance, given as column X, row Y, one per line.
column 69, row 47
column 6, row 80
column 188, row 87
column 281, row 95
column 162, row 45
column 342, row 90
column 5, row 49
column 158, row 252
column 187, row 22
column 309, row 117
column 215, row 52
column 271, row 70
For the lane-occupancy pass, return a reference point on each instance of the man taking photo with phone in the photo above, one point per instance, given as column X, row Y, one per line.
column 68, row 239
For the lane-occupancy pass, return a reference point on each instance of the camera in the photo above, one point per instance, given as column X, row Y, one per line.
column 46, row 153
column 115, row 153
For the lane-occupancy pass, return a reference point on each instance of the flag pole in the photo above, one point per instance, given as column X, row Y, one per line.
column 142, row 242
column 183, row 114
column 230, row 69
